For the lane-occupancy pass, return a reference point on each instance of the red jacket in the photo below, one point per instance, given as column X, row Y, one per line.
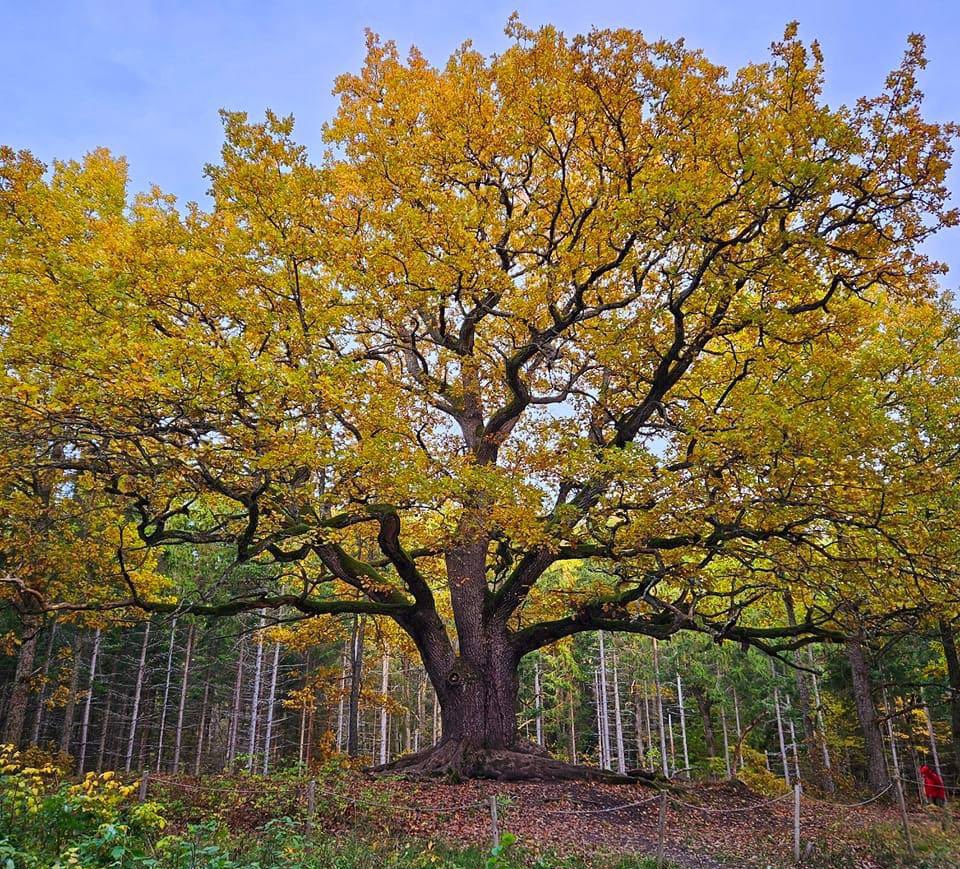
column 932, row 784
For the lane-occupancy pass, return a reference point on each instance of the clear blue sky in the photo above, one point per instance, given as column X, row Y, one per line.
column 146, row 77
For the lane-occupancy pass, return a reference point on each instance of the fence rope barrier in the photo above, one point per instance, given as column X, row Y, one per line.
column 602, row 810
column 865, row 802
column 750, row 808
column 483, row 804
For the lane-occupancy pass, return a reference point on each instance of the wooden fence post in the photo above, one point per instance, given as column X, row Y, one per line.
column 661, row 829
column 311, row 805
column 494, row 825
column 796, row 823
column 903, row 813
column 143, row 785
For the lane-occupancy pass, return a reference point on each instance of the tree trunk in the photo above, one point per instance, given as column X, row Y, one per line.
column 181, row 708
column 705, row 705
column 867, row 714
column 166, row 694
column 948, row 639
column 780, row 736
column 255, row 701
column 137, row 693
column 20, row 696
column 271, row 702
column 604, row 707
column 538, row 702
column 384, row 713
column 234, row 730
column 356, row 675
column 42, row 693
column 477, row 684
column 198, row 755
column 811, row 736
column 618, row 719
column 683, row 728
column 658, row 699
column 89, row 701
column 66, row 732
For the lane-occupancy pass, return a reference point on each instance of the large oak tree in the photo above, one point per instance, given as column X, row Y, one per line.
column 591, row 299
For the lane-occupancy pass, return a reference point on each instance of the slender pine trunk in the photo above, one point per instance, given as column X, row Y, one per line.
column 85, row 724
column 137, row 694
column 271, row 702
column 181, row 707
column 166, row 695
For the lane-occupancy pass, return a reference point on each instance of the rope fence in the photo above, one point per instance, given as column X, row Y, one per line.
column 312, row 790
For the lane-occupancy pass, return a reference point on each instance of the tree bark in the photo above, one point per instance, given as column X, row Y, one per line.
column 255, row 701
column 89, row 701
column 181, row 708
column 166, row 694
column 705, row 705
column 384, row 713
column 271, row 702
column 234, row 730
column 811, row 736
column 356, row 675
column 867, row 714
column 137, row 693
column 20, row 696
column 948, row 639
column 42, row 693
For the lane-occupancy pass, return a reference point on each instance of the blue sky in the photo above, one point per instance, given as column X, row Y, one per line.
column 146, row 78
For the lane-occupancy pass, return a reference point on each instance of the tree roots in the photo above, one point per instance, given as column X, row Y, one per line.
column 457, row 760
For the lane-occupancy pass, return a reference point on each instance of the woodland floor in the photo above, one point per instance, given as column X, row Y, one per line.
column 731, row 826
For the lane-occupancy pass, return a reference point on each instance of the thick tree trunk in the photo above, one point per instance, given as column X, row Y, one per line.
column 477, row 685
column 20, row 696
column 867, row 713
column 948, row 638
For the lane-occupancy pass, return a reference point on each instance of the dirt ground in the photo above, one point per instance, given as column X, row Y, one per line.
column 708, row 825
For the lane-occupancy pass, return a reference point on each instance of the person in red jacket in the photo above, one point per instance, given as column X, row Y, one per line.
column 933, row 786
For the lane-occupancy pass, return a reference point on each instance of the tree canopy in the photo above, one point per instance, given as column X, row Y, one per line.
column 593, row 298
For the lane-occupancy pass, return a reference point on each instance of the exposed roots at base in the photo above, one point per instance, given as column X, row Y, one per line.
column 456, row 760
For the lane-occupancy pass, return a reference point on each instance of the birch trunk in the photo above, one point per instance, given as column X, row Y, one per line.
column 85, row 724
column 538, row 702
column 234, row 728
column 659, row 701
column 618, row 719
column 271, row 702
column 255, row 700
column 605, row 706
column 683, row 728
column 166, row 695
column 780, row 736
column 384, row 713
column 181, row 707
